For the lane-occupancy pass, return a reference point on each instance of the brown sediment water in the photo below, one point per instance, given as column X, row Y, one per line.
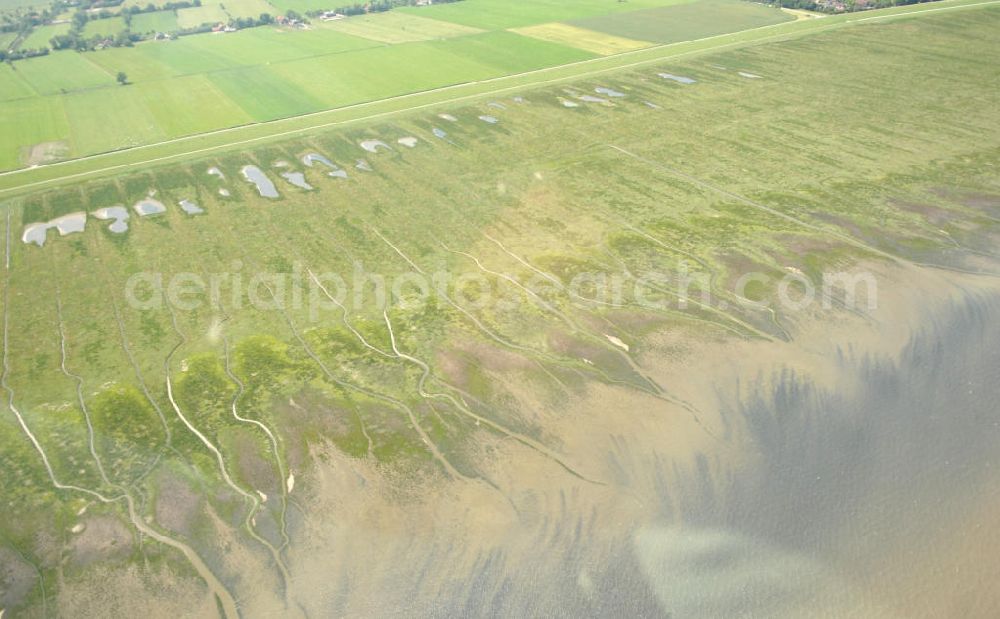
column 814, row 469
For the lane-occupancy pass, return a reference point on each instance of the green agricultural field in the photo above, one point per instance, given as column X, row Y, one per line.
column 6, row 5
column 130, row 122
column 397, row 27
column 264, row 46
column 296, row 72
column 581, row 38
column 140, row 63
column 40, row 37
column 208, row 13
column 182, row 56
column 158, row 21
column 63, row 71
column 500, row 14
column 703, row 18
column 189, row 104
column 248, row 8
column 303, row 6
column 104, row 27
column 320, row 69
column 6, row 39
column 263, row 94
column 269, row 431
column 342, row 80
column 12, row 85
column 32, row 122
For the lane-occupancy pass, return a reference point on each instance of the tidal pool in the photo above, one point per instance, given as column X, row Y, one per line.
column 190, row 207
column 677, row 78
column 265, row 187
column 497, row 105
column 609, row 92
column 335, row 170
column 652, row 105
column 35, row 233
column 296, row 178
column 119, row 215
column 568, row 103
column 439, row 133
column 149, row 206
column 67, row 224
column 408, row 141
column 489, row 119
column 214, row 171
column 748, row 75
column 448, row 117
column 363, row 165
column 592, row 99
column 372, row 146
column 312, row 158
column 520, row 100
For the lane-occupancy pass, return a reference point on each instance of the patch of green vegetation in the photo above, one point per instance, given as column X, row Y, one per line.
column 204, row 392
column 132, row 434
column 263, row 362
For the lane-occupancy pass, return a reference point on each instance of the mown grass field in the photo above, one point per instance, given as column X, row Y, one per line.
column 726, row 175
column 684, row 22
column 397, row 27
column 62, row 73
column 500, row 14
column 581, row 38
column 12, row 86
